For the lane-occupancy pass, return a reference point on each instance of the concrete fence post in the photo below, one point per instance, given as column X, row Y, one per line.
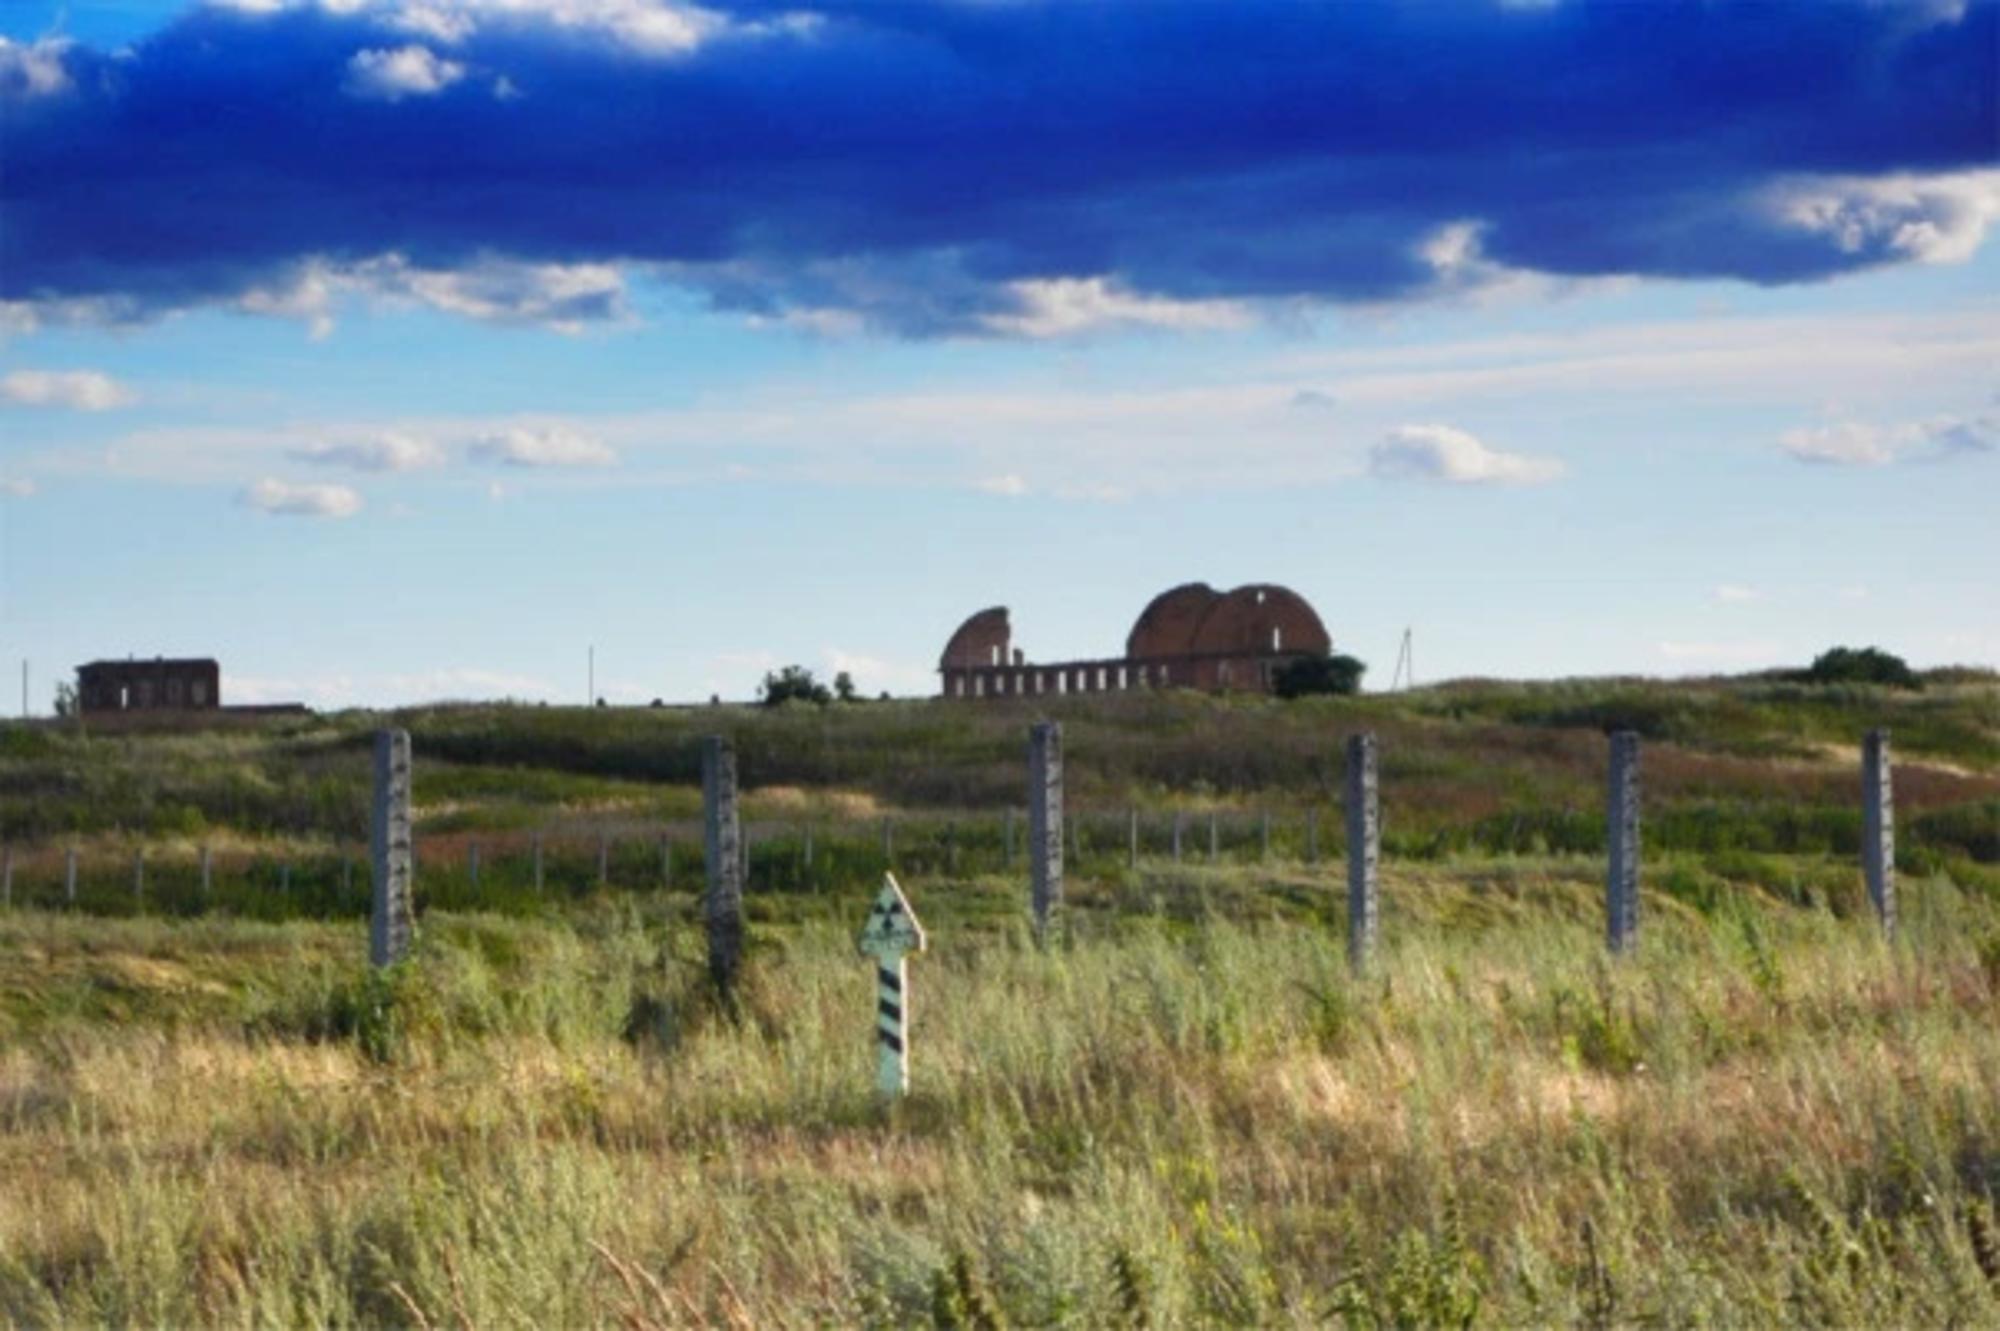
column 1364, row 852
column 1878, row 828
column 603, row 859
column 723, row 857
column 207, row 872
column 1622, row 826
column 1264, row 834
column 393, row 917
column 1045, row 821
column 666, row 861
column 472, row 862
column 69, row 876
column 1132, row 838
column 1180, row 826
column 285, row 878
column 1214, row 839
column 809, row 848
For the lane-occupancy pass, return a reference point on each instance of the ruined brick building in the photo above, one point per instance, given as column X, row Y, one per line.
column 146, row 686
column 163, row 690
column 1192, row 636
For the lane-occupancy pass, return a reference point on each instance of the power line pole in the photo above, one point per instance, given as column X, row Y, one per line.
column 1406, row 665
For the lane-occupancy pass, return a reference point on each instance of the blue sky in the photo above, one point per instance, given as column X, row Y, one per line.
column 402, row 350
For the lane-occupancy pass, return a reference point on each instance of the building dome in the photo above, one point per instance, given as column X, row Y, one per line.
column 1167, row 625
column 982, row 640
column 1261, row 618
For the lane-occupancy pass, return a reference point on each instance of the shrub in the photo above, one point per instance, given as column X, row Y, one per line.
column 1861, row 665
column 793, row 682
column 1319, row 674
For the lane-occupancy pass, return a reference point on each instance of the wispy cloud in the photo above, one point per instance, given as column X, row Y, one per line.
column 305, row 501
column 78, row 390
column 1733, row 594
column 385, row 452
column 1455, row 456
column 406, row 71
column 547, row 446
column 17, row 487
column 1870, row 444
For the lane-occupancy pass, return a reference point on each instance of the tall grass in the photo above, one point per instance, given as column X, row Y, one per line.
column 1189, row 1113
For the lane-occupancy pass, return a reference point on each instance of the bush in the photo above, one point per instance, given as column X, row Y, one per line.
column 1319, row 674
column 793, row 682
column 1862, row 665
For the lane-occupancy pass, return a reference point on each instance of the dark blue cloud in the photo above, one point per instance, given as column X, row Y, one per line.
column 909, row 162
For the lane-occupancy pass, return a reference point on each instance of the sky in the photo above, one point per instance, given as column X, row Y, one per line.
column 401, row 350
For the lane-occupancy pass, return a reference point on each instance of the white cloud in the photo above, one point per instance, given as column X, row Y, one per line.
column 1929, row 219
column 547, row 446
column 32, row 69
column 1866, row 444
column 562, row 297
column 649, row 27
column 385, row 452
column 1445, row 453
column 1848, row 444
column 407, row 71
column 1010, row 485
column 306, row 501
column 873, row 674
column 441, row 23
column 17, row 487
column 1067, row 306
column 1731, row 594
column 79, row 390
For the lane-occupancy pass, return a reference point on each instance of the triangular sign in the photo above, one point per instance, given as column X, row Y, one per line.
column 892, row 927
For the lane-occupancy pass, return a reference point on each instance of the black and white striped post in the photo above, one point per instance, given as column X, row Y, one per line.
column 889, row 936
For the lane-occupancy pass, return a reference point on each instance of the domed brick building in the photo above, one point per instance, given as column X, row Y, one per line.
column 1191, row 636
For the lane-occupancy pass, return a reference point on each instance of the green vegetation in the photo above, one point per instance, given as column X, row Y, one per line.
column 1866, row 665
column 1187, row 1112
column 1310, row 675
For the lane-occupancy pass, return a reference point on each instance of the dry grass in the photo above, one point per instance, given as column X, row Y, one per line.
column 1189, row 1113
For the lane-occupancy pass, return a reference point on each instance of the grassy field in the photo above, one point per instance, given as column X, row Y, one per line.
column 1186, row 1113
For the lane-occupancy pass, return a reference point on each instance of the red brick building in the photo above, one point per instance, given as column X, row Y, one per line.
column 148, row 686
column 1192, row 637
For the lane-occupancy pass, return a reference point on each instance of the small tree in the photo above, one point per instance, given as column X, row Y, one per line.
column 1318, row 674
column 793, row 682
column 843, row 687
column 65, row 698
column 1863, row 665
